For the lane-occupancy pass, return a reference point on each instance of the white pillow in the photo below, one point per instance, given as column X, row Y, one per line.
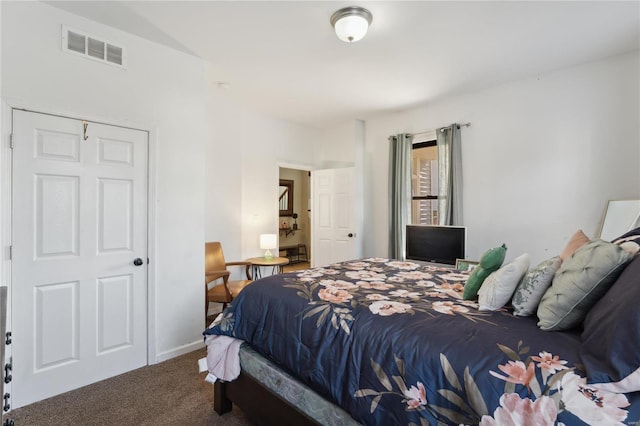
column 498, row 288
column 529, row 292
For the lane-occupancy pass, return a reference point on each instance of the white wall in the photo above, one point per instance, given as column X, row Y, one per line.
column 540, row 160
column 242, row 175
column 344, row 146
column 162, row 91
column 339, row 145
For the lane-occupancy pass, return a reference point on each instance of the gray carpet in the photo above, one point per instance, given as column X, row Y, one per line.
column 169, row 393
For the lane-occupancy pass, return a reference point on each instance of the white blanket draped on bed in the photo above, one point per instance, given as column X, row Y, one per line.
column 223, row 357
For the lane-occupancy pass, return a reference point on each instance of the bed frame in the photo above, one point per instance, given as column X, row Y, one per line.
column 257, row 402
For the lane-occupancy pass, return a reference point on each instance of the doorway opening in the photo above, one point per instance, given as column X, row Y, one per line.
column 294, row 223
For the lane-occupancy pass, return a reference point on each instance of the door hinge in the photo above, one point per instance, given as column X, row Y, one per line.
column 11, row 141
column 7, row 372
column 6, row 405
column 10, row 252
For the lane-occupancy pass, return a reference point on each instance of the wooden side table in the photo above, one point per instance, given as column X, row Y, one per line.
column 276, row 263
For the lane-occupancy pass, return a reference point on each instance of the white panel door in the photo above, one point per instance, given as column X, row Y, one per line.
column 333, row 236
column 79, row 220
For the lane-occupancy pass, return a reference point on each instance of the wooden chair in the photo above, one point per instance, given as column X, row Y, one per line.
column 215, row 267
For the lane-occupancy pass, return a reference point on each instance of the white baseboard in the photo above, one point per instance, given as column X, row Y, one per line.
column 180, row 350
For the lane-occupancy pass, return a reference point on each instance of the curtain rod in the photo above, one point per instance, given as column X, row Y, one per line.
column 429, row 131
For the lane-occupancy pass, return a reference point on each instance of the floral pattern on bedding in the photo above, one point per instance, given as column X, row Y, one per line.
column 386, row 287
column 551, row 387
column 393, row 342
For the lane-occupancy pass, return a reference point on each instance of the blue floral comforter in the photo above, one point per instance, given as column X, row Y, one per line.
column 393, row 343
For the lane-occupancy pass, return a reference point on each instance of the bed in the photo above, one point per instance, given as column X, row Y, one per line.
column 378, row 342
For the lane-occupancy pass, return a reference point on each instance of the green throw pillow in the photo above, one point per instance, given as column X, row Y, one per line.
column 491, row 261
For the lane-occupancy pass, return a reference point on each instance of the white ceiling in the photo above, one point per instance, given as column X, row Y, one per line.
column 283, row 58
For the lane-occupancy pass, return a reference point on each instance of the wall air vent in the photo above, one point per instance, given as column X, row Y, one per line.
column 90, row 47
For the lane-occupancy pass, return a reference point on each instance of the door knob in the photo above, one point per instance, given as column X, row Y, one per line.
column 350, row 235
column 137, row 261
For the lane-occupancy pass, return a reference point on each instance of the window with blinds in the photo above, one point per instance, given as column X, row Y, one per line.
column 424, row 183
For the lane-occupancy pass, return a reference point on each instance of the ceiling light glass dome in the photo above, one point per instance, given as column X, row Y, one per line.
column 351, row 23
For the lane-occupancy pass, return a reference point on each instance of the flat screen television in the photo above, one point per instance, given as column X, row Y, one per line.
column 436, row 244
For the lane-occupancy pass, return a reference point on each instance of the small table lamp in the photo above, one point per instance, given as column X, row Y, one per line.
column 268, row 242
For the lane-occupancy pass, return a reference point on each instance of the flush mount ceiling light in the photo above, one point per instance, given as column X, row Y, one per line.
column 351, row 23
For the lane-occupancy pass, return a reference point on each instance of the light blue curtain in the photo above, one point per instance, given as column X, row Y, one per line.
column 449, row 175
column 399, row 193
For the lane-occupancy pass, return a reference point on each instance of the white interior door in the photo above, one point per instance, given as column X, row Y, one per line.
column 79, row 219
column 332, row 215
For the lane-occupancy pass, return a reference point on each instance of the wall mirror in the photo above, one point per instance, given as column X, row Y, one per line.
column 620, row 217
column 285, row 200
